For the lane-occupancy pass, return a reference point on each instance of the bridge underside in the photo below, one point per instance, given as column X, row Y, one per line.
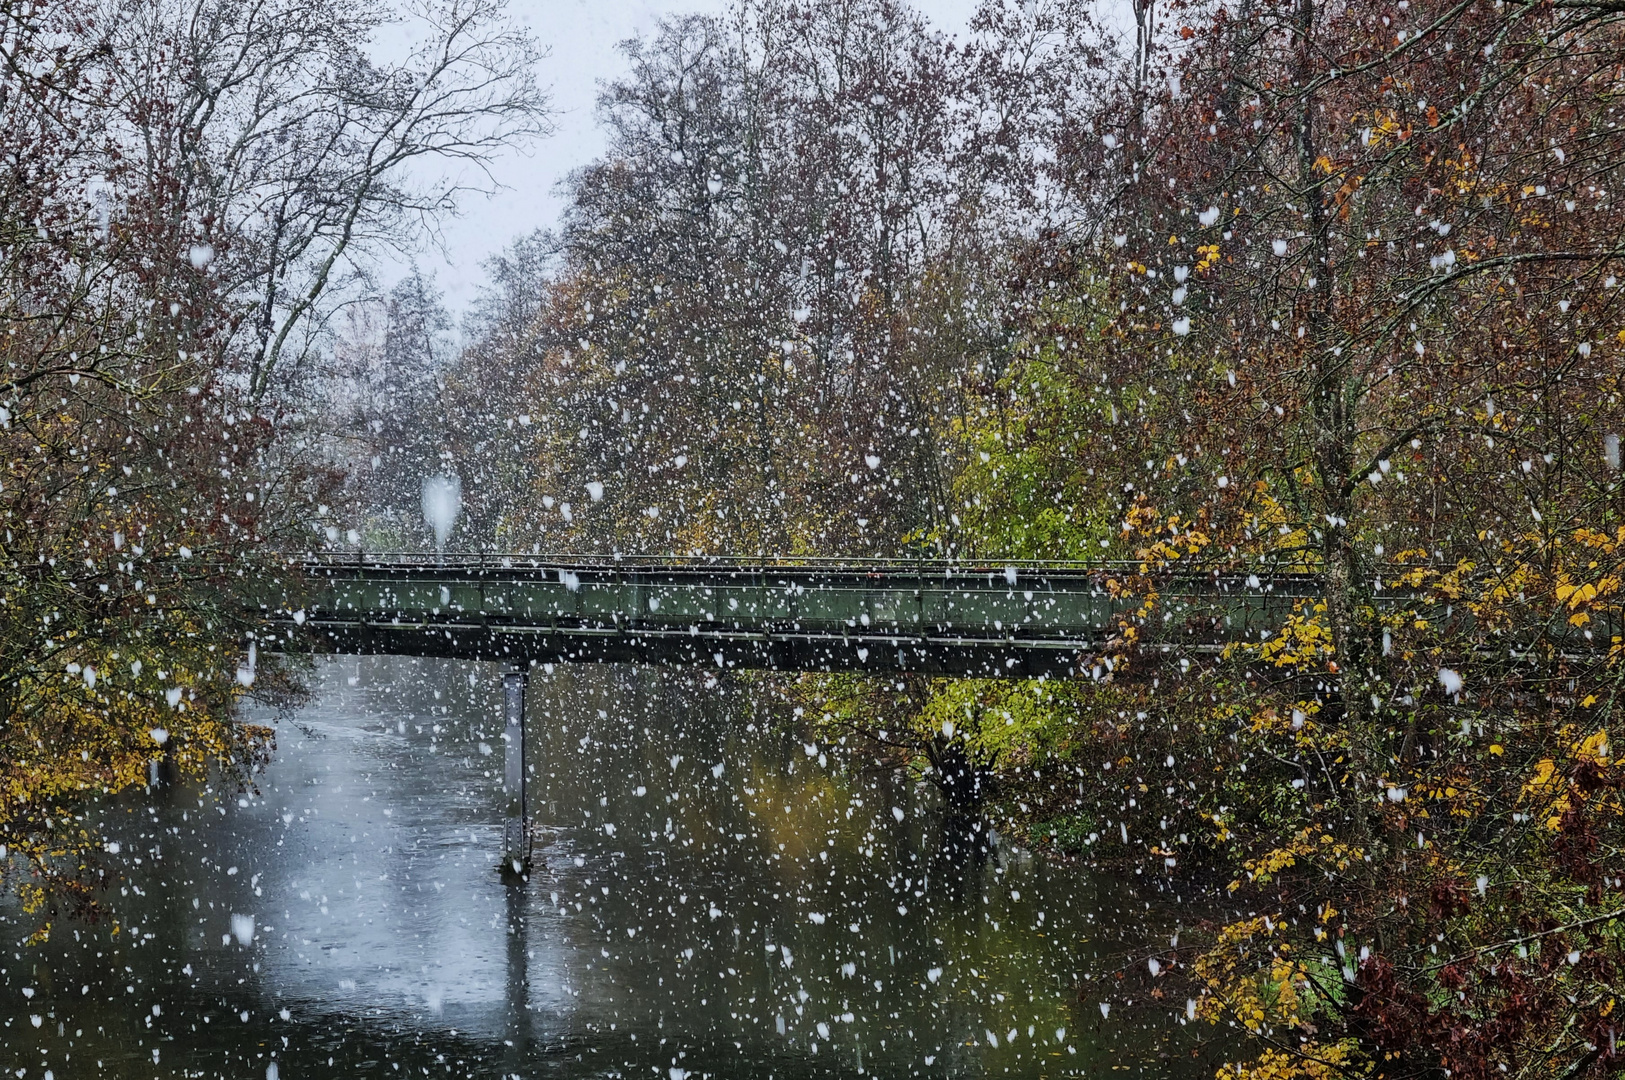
column 930, row 654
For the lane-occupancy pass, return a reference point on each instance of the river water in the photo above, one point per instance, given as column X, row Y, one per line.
column 711, row 897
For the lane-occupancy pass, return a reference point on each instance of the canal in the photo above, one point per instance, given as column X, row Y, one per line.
column 712, row 896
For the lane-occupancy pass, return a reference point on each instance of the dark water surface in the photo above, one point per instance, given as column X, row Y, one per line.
column 710, row 898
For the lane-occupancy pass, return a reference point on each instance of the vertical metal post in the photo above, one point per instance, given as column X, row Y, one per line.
column 515, row 833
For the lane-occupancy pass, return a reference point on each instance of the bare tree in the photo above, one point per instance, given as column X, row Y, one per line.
column 271, row 136
column 778, row 278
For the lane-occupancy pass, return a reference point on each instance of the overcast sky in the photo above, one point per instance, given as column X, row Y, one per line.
column 581, row 36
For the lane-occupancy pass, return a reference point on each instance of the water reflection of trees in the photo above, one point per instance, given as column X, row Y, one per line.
column 904, row 941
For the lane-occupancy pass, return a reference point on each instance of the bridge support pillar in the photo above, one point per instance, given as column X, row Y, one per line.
column 516, row 824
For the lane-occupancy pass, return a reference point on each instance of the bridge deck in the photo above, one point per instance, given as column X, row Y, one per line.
column 808, row 615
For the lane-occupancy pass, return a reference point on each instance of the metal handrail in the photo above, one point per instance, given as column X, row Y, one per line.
column 549, row 560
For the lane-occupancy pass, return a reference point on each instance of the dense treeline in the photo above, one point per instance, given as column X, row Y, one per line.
column 185, row 190
column 776, row 295
column 1322, row 289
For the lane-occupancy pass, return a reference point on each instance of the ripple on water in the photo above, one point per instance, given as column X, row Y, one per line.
column 772, row 916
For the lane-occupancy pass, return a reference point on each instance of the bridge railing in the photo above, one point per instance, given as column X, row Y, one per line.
column 533, row 560
column 944, row 567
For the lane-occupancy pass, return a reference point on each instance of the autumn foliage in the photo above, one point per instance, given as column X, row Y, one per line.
column 1282, row 288
column 1357, row 301
column 181, row 186
column 1328, row 290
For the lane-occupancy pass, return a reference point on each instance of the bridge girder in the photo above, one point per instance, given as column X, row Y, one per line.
column 1001, row 621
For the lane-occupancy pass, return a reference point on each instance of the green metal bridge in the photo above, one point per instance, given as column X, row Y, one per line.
column 943, row 618
column 1004, row 619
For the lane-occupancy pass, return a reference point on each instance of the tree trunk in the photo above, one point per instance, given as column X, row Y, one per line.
column 1334, row 398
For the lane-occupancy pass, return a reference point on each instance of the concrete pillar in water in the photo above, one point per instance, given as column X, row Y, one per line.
column 516, row 826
